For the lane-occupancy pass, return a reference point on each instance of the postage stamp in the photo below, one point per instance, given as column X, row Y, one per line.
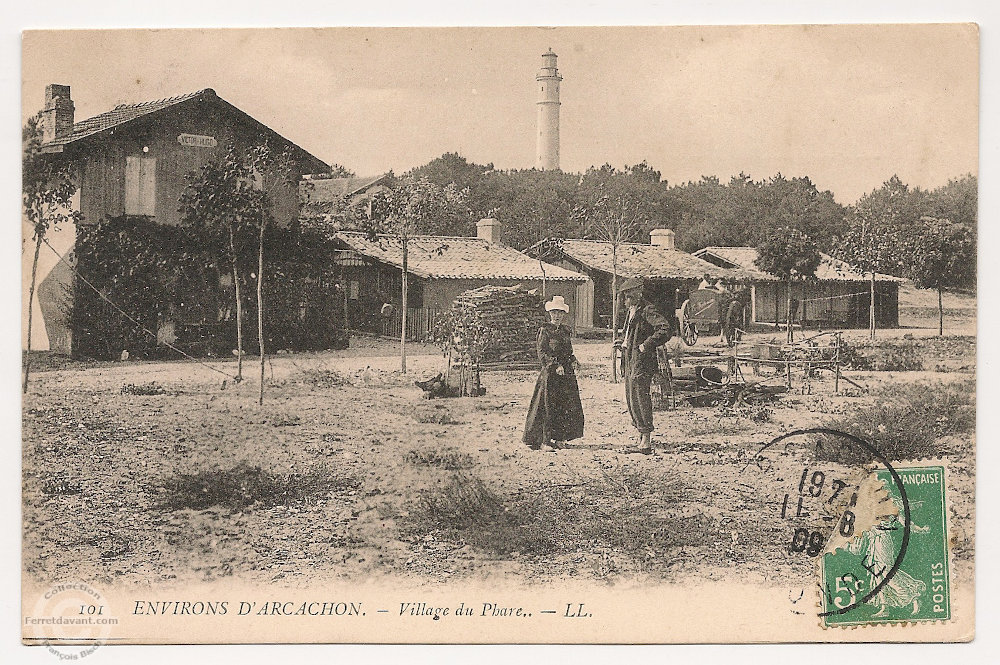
column 897, row 570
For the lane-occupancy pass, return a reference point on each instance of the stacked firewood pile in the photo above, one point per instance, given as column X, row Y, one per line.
column 512, row 315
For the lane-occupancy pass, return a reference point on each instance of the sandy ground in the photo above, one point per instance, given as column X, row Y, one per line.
column 94, row 459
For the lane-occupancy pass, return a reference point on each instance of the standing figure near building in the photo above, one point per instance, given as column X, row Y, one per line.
column 645, row 329
column 555, row 414
column 735, row 314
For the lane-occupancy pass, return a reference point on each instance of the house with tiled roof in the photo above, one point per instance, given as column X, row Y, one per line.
column 839, row 295
column 322, row 195
column 440, row 269
column 670, row 272
column 132, row 161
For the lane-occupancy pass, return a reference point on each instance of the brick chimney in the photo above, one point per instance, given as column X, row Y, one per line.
column 662, row 238
column 57, row 115
column 489, row 230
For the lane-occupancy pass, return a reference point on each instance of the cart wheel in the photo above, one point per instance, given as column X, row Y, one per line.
column 689, row 330
column 691, row 334
column 617, row 363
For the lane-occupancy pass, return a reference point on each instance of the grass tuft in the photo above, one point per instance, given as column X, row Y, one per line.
column 244, row 487
column 553, row 520
column 321, row 378
column 437, row 415
column 449, row 459
column 152, row 388
column 904, row 422
column 466, row 509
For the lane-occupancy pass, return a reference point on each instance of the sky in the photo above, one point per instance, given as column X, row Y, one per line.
column 848, row 106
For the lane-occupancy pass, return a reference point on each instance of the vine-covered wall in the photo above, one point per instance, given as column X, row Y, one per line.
column 179, row 291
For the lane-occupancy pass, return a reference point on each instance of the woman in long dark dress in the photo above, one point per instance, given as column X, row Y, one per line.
column 555, row 414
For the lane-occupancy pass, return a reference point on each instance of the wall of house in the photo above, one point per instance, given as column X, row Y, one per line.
column 829, row 302
column 54, row 295
column 105, row 160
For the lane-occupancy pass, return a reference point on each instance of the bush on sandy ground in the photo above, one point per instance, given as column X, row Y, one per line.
column 448, row 458
column 437, row 415
column 152, row 388
column 244, row 487
column 466, row 509
column 631, row 514
column 905, row 422
column 882, row 356
column 321, row 378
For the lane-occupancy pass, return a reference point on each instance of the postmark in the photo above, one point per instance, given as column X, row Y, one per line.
column 821, row 492
column 898, row 569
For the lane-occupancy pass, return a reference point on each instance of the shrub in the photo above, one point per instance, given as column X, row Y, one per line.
column 449, row 459
column 322, row 378
column 637, row 515
column 905, row 422
column 244, row 487
column 466, row 509
column 438, row 416
column 883, row 356
column 151, row 388
column 284, row 420
column 60, row 486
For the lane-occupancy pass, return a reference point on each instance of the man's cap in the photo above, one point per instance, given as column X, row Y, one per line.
column 631, row 284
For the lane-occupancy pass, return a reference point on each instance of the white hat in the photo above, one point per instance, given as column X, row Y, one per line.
column 557, row 302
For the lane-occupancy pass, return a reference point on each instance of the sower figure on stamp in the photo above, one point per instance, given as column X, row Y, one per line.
column 645, row 329
column 555, row 414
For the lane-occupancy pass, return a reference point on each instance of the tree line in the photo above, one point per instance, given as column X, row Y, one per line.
column 534, row 205
column 928, row 236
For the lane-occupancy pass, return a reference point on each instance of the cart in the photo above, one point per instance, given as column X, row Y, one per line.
column 699, row 314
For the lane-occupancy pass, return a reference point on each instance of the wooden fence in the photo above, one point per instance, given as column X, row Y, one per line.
column 420, row 323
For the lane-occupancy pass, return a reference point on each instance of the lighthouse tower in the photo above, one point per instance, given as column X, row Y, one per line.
column 548, row 78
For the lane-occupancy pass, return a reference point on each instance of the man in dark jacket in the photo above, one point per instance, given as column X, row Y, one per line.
column 645, row 329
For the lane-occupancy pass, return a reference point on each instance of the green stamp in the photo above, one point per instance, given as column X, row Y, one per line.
column 889, row 573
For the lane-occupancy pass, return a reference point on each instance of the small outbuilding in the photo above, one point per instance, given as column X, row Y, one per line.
column 838, row 297
column 671, row 273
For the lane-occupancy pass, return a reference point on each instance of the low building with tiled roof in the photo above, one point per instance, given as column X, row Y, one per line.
column 440, row 269
column 670, row 272
column 838, row 296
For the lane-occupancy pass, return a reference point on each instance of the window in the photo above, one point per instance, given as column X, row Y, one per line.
column 140, row 185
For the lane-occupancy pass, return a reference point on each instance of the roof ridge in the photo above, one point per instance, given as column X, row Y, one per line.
column 389, row 235
column 162, row 100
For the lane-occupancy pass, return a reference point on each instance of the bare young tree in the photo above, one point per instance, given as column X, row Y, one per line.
column 219, row 201
column 401, row 213
column 270, row 169
column 48, row 187
column 613, row 214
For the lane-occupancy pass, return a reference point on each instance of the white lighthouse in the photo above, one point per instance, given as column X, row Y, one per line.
column 547, row 157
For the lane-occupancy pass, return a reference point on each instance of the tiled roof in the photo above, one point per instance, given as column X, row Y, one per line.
column 829, row 267
column 646, row 261
column 123, row 113
column 318, row 195
column 455, row 257
column 332, row 189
